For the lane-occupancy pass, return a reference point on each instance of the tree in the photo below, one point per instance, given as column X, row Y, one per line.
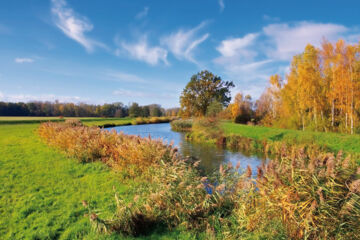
column 135, row 110
column 214, row 109
column 204, row 88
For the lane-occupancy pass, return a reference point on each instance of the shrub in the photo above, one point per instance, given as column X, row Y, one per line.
column 181, row 125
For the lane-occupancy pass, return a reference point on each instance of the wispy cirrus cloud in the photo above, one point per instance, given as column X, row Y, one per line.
column 42, row 97
column 24, row 60
column 183, row 43
column 126, row 77
column 141, row 50
column 142, row 94
column 74, row 25
column 221, row 5
column 142, row 14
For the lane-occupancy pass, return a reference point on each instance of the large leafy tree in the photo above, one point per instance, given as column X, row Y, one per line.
column 203, row 89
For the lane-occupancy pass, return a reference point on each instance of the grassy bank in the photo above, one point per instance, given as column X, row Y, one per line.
column 41, row 190
column 332, row 141
column 298, row 195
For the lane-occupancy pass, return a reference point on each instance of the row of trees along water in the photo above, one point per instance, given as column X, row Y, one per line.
column 320, row 92
column 83, row 110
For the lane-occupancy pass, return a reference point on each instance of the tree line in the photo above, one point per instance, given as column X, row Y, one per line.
column 118, row 109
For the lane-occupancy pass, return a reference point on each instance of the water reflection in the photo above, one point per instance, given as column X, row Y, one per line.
column 211, row 156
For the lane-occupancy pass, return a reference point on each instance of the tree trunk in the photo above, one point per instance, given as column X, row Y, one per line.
column 332, row 113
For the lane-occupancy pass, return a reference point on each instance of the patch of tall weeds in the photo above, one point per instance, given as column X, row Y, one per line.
column 122, row 152
column 182, row 125
column 313, row 197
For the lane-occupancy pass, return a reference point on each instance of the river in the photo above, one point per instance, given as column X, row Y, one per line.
column 211, row 156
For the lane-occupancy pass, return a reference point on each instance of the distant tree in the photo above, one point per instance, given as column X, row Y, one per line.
column 145, row 111
column 155, row 110
column 135, row 110
column 204, row 88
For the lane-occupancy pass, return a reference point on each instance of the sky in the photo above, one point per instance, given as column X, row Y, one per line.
column 146, row 51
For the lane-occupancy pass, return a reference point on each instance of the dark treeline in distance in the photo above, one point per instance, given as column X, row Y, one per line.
column 50, row 109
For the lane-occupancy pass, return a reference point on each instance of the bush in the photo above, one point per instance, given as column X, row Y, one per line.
column 181, row 125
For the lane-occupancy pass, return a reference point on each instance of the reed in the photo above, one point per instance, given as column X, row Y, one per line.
column 182, row 125
column 303, row 193
column 119, row 151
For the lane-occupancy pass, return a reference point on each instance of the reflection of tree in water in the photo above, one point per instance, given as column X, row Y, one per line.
column 210, row 156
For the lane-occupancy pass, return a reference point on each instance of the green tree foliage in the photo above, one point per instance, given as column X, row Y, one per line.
column 204, row 88
column 214, row 109
column 56, row 108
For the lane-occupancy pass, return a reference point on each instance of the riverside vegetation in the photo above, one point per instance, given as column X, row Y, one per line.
column 300, row 194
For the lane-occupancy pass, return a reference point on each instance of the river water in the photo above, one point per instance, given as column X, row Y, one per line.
column 211, row 156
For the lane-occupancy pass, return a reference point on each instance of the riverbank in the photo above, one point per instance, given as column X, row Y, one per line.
column 333, row 142
column 42, row 191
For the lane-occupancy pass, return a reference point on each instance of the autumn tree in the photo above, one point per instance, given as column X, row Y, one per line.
column 203, row 89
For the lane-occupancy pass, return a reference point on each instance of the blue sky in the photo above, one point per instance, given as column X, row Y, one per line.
column 146, row 51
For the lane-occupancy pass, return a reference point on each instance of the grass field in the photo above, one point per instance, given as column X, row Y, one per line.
column 88, row 121
column 334, row 141
column 41, row 190
column 22, row 120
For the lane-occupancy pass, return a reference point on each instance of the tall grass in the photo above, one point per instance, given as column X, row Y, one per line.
column 301, row 194
column 120, row 151
column 182, row 125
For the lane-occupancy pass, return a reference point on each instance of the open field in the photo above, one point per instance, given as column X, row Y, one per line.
column 21, row 120
column 42, row 189
column 334, row 141
column 88, row 121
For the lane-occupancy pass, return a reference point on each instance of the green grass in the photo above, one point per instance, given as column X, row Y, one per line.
column 41, row 190
column 108, row 121
column 23, row 120
column 333, row 141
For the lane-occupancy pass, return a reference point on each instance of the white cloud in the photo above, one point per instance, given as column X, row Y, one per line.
column 143, row 13
column 142, row 51
column 291, row 39
column 251, row 59
column 238, row 46
column 183, row 42
column 222, row 5
column 73, row 25
column 126, row 77
column 24, row 60
column 141, row 94
column 42, row 97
